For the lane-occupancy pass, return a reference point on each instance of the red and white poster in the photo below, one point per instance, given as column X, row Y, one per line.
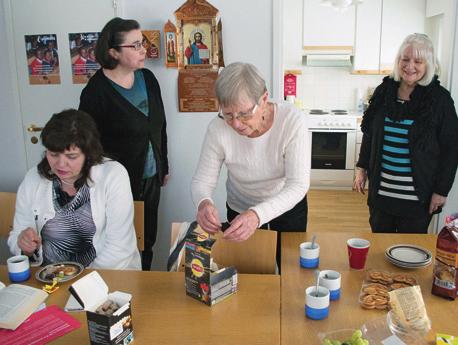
column 42, row 59
column 290, row 81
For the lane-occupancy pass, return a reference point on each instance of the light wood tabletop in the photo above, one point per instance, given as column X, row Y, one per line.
column 346, row 313
column 162, row 313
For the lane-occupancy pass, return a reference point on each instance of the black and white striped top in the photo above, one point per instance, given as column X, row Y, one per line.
column 396, row 170
column 68, row 236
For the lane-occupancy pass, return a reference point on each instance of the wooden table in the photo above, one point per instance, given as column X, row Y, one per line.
column 346, row 313
column 163, row 314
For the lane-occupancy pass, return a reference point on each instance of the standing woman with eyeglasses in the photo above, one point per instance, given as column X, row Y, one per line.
column 124, row 98
column 266, row 150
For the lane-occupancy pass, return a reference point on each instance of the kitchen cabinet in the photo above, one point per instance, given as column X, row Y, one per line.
column 381, row 26
column 327, row 28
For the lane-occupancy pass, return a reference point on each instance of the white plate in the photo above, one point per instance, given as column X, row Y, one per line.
column 407, row 265
column 409, row 254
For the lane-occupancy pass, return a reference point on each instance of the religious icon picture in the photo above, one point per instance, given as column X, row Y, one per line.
column 152, row 42
column 197, row 43
column 42, row 59
column 170, row 39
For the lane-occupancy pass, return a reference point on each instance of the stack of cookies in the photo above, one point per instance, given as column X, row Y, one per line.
column 375, row 288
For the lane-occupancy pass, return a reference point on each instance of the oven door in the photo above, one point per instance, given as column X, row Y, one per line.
column 333, row 149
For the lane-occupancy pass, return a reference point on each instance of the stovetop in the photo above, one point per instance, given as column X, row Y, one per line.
column 339, row 119
column 326, row 112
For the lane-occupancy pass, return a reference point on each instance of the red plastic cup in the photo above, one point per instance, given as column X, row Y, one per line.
column 357, row 252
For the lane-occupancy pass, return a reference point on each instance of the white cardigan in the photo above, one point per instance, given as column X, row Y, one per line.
column 112, row 209
column 269, row 174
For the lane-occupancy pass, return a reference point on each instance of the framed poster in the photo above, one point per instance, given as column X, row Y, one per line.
column 42, row 59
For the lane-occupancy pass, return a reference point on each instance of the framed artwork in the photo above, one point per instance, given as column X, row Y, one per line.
column 197, row 35
column 42, row 59
column 152, row 43
column 170, row 39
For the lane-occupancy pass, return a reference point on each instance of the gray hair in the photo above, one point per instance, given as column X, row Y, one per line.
column 239, row 80
column 423, row 49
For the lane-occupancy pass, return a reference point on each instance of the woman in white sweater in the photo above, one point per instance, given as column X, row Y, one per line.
column 266, row 149
column 75, row 205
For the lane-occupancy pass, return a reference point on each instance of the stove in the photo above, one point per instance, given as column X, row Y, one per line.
column 331, row 119
column 333, row 143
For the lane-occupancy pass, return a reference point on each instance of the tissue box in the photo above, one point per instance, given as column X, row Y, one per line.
column 91, row 291
column 201, row 282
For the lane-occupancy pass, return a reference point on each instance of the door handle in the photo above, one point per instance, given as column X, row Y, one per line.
column 34, row 128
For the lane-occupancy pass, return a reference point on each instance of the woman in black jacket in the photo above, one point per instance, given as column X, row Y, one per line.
column 409, row 150
column 125, row 101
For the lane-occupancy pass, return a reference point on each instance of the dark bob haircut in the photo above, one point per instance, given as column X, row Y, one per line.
column 72, row 128
column 112, row 36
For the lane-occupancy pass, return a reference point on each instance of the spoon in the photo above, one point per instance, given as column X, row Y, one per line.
column 313, row 242
column 317, row 276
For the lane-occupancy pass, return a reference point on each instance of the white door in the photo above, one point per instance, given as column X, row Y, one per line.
column 60, row 17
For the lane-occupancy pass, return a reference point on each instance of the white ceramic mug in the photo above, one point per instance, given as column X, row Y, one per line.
column 332, row 281
column 18, row 268
column 317, row 303
column 309, row 257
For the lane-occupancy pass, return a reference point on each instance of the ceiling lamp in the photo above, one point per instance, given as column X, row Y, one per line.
column 340, row 4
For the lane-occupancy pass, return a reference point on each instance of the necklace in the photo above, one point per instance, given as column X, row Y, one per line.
column 67, row 183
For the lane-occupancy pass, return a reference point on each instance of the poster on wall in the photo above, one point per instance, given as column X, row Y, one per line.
column 82, row 55
column 152, row 43
column 170, row 39
column 42, row 59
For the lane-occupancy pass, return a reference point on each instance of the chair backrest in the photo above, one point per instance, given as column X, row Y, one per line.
column 255, row 255
column 139, row 223
column 7, row 207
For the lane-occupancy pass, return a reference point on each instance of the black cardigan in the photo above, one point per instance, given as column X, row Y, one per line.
column 433, row 138
column 125, row 131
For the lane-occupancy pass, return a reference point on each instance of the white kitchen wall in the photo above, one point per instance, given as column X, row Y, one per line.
column 332, row 87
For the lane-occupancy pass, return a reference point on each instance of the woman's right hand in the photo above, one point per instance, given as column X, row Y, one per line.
column 360, row 180
column 208, row 218
column 28, row 241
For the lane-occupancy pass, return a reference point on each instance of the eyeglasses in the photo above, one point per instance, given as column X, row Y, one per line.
column 136, row 46
column 242, row 116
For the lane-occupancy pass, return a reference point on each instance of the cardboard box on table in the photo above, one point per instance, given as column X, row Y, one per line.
column 201, row 282
column 91, row 291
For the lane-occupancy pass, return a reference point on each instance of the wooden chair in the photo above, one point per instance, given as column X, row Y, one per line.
column 139, row 223
column 7, row 207
column 255, row 255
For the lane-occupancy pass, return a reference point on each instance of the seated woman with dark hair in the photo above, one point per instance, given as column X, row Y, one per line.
column 75, row 205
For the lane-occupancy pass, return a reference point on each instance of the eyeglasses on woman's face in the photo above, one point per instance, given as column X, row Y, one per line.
column 137, row 45
column 242, row 116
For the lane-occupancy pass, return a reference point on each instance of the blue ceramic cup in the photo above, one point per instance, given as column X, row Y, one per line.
column 18, row 268
column 331, row 280
column 309, row 257
column 317, row 303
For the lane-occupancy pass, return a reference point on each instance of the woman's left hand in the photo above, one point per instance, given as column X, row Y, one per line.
column 242, row 227
column 436, row 202
column 165, row 180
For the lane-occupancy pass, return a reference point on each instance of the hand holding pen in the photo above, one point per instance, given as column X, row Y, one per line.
column 29, row 241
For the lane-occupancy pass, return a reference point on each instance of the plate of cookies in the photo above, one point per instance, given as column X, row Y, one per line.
column 62, row 271
column 377, row 284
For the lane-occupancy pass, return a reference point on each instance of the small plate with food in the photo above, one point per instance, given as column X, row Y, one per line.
column 63, row 271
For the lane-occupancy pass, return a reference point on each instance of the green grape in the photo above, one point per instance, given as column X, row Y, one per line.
column 327, row 342
column 356, row 335
column 336, row 342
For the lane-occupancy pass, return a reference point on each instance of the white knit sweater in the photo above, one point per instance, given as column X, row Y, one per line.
column 269, row 174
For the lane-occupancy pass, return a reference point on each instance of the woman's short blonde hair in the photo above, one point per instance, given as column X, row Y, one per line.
column 423, row 49
column 239, row 81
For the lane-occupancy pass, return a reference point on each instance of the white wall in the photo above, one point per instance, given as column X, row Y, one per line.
column 12, row 148
column 247, row 36
column 452, row 203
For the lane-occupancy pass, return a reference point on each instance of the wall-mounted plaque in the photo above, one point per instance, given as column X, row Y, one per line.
column 196, row 90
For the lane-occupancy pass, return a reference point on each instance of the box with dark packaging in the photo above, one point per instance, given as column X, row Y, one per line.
column 109, row 315
column 202, row 283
